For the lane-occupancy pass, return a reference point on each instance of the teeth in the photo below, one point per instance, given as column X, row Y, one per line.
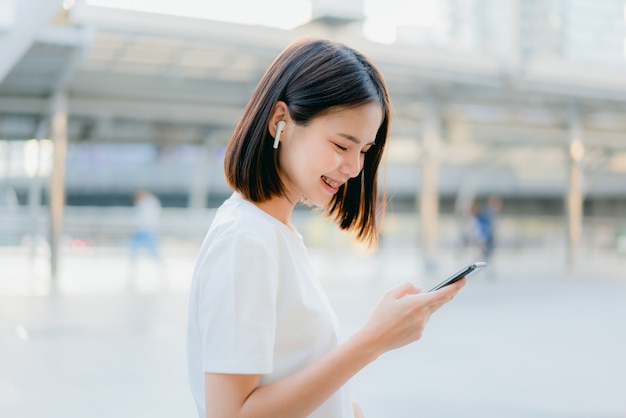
column 330, row 183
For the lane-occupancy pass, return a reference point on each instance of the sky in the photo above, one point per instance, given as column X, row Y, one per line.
column 382, row 16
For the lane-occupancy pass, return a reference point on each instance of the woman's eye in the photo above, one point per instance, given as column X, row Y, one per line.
column 340, row 147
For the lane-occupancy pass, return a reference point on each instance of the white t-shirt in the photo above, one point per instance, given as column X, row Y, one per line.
column 255, row 305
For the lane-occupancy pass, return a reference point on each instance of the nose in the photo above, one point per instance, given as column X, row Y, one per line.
column 352, row 164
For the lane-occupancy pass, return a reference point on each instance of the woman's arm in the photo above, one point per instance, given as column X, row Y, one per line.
column 398, row 319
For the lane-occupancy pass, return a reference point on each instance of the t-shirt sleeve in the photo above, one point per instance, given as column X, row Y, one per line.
column 236, row 306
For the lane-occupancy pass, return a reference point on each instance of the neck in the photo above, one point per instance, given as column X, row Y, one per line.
column 279, row 207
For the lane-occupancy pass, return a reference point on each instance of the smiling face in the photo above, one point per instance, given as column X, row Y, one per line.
column 316, row 159
column 318, row 88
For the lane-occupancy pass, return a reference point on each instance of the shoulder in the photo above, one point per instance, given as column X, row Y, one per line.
column 238, row 245
column 239, row 217
column 239, row 225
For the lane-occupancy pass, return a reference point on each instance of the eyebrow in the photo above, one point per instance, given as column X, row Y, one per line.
column 354, row 139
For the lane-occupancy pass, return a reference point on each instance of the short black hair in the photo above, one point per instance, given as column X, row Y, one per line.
column 312, row 76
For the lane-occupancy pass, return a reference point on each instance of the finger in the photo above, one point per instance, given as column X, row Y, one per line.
column 403, row 290
column 444, row 294
column 449, row 291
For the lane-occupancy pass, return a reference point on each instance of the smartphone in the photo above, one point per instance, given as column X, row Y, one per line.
column 470, row 268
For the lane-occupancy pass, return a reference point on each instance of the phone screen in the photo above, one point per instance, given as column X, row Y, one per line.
column 470, row 268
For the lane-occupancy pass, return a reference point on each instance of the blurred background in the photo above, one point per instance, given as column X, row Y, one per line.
column 508, row 144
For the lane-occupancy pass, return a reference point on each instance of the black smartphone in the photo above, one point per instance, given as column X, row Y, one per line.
column 470, row 268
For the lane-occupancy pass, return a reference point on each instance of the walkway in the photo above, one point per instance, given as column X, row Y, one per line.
column 526, row 340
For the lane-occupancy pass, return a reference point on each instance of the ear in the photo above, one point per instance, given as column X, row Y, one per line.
column 279, row 112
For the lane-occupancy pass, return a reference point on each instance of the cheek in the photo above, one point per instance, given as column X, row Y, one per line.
column 313, row 155
column 318, row 155
column 302, row 162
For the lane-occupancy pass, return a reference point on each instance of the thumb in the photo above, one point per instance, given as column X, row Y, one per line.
column 403, row 290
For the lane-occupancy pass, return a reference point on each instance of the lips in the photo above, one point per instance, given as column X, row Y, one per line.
column 332, row 183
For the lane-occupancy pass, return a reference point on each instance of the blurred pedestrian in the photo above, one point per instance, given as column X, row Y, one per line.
column 147, row 220
column 262, row 336
column 486, row 224
column 467, row 225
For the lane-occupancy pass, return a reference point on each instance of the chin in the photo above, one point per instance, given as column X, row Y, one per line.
column 317, row 202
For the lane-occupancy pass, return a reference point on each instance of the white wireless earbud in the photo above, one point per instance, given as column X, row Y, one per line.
column 279, row 130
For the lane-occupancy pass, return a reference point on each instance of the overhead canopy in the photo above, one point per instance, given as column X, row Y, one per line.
column 141, row 77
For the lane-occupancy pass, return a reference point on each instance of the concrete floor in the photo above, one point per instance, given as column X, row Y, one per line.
column 524, row 339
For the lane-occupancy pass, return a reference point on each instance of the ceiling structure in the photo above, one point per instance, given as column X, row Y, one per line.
column 139, row 77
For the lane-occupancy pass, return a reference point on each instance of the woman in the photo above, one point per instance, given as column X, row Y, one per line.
column 263, row 339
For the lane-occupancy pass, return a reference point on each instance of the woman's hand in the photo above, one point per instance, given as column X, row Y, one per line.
column 398, row 319
column 401, row 316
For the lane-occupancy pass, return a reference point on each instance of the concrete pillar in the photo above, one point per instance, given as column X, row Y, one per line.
column 429, row 196
column 575, row 195
column 35, row 187
column 58, row 131
column 57, row 178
